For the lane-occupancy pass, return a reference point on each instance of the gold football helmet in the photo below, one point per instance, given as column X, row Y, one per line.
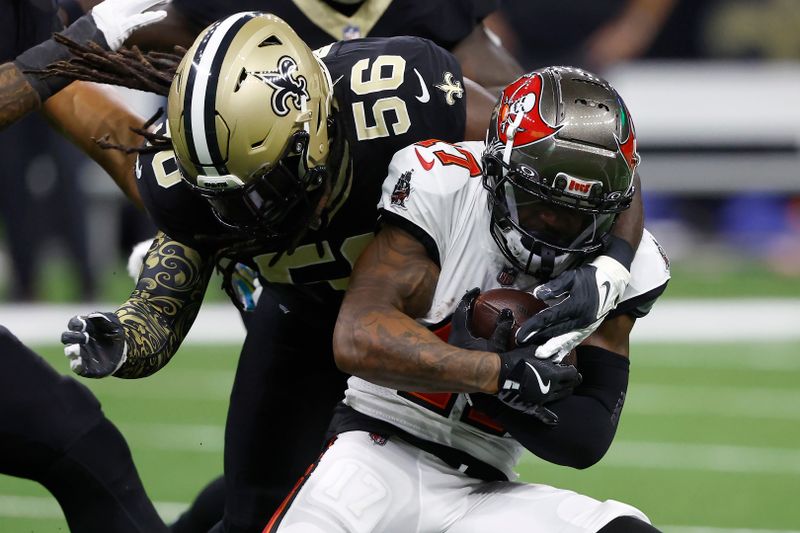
column 248, row 114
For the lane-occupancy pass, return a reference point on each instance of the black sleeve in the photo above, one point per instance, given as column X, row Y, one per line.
column 587, row 420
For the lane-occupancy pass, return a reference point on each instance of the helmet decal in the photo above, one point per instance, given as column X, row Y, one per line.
column 519, row 117
column 286, row 87
column 627, row 145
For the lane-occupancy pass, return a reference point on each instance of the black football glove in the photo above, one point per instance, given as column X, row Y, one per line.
column 527, row 384
column 579, row 301
column 461, row 336
column 94, row 344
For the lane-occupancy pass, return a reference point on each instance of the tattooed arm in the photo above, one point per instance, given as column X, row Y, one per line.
column 376, row 336
column 17, row 97
column 162, row 308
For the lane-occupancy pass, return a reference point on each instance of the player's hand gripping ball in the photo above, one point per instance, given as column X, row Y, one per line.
column 488, row 305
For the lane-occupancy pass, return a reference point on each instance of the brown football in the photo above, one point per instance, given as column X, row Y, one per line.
column 487, row 307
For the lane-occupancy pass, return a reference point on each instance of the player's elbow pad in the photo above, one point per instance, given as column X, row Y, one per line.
column 587, row 420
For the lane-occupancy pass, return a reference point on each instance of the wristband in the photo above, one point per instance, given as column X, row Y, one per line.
column 619, row 250
column 40, row 56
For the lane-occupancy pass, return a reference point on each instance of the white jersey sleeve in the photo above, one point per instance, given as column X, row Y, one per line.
column 426, row 191
column 649, row 277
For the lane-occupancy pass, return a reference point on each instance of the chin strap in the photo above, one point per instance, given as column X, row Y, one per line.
column 548, row 264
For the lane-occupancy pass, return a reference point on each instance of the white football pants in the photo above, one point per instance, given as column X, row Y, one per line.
column 361, row 486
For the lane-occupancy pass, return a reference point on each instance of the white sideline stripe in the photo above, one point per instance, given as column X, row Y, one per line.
column 742, row 402
column 699, row 529
column 670, row 321
column 696, row 457
column 720, row 320
column 47, row 507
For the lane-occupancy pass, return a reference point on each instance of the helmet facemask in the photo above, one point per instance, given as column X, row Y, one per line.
column 556, row 173
column 277, row 200
column 540, row 236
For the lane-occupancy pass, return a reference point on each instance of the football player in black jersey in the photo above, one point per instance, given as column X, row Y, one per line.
column 52, row 428
column 277, row 165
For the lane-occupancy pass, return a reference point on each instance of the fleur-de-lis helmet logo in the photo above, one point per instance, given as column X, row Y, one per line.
column 287, row 84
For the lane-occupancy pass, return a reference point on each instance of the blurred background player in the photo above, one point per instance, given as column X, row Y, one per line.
column 52, row 429
column 489, row 215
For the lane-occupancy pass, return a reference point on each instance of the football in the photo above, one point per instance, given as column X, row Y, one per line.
column 487, row 307
column 523, row 305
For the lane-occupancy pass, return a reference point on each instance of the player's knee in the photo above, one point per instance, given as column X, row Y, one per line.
column 628, row 524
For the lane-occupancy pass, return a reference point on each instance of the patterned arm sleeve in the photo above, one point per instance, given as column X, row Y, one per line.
column 161, row 309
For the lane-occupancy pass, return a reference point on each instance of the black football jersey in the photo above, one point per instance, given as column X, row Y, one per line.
column 320, row 22
column 420, row 95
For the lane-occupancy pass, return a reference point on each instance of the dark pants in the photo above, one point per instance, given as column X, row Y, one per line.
column 284, row 392
column 52, row 431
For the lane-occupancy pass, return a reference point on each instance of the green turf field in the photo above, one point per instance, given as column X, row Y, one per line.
column 710, row 438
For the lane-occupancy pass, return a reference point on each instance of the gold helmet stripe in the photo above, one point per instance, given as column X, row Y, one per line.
column 201, row 92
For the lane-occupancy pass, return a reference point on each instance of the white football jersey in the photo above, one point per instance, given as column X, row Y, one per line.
column 435, row 191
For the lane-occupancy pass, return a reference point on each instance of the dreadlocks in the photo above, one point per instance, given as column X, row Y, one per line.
column 127, row 67
column 155, row 141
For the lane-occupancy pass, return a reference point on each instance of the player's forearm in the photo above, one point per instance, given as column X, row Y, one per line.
column 86, row 111
column 163, row 306
column 17, row 97
column 386, row 347
column 630, row 223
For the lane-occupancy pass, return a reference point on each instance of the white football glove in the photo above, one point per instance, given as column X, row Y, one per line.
column 579, row 300
column 117, row 19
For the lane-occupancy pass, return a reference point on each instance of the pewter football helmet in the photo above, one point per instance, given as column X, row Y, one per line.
column 559, row 164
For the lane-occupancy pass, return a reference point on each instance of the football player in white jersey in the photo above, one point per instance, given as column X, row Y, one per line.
column 429, row 433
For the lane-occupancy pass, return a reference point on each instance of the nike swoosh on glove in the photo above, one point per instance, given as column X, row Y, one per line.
column 95, row 344
column 527, row 384
column 579, row 300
